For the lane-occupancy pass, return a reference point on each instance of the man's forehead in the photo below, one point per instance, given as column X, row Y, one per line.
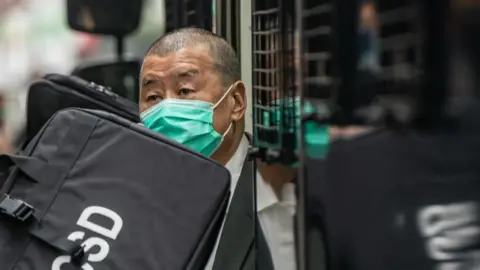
column 178, row 65
column 196, row 54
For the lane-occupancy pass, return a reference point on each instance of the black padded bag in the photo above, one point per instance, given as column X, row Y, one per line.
column 132, row 198
column 56, row 92
column 404, row 199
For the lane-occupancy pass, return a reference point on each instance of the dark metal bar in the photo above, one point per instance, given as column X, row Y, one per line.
column 322, row 30
column 254, row 151
column 318, row 56
column 434, row 93
column 301, row 212
column 120, row 48
column 188, row 13
column 346, row 56
column 267, row 32
column 266, row 12
column 325, row 8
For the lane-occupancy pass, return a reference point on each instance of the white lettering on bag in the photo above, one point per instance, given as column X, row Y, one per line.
column 94, row 243
column 452, row 234
column 111, row 233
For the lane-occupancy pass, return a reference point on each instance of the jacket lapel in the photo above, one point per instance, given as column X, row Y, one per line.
column 264, row 258
column 237, row 236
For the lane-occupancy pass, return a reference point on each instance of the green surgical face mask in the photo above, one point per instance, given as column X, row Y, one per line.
column 316, row 136
column 189, row 122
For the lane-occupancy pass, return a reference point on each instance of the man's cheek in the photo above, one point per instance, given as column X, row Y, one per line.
column 143, row 107
column 219, row 120
column 219, row 125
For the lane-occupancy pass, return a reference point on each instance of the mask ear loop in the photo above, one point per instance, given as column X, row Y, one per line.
column 224, row 95
column 220, row 101
column 228, row 130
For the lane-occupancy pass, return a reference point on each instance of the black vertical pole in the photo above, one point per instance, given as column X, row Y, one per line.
column 301, row 212
column 182, row 14
column 254, row 139
column 120, row 47
column 436, row 58
column 346, row 54
column 204, row 14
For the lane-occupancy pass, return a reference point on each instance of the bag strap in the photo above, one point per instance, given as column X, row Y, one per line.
column 249, row 138
column 50, row 177
column 262, row 255
column 63, row 246
column 19, row 210
column 15, row 208
column 36, row 170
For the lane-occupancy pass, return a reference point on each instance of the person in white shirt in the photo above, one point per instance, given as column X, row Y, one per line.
column 195, row 69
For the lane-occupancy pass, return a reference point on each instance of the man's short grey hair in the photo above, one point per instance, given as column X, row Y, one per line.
column 225, row 60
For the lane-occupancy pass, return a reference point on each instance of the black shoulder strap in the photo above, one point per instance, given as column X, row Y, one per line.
column 236, row 247
column 263, row 256
column 237, row 234
column 249, row 137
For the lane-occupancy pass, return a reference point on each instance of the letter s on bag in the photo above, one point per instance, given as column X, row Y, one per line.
column 103, row 246
column 91, row 242
column 59, row 261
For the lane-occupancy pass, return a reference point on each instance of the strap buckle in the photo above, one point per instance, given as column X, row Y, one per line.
column 15, row 208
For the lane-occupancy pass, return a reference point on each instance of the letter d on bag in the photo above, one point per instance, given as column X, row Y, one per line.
column 112, row 233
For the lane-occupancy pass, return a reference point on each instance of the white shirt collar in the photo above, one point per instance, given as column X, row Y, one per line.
column 266, row 197
column 275, row 216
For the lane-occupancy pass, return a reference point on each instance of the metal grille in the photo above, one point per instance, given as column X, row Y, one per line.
column 274, row 105
column 188, row 13
column 372, row 58
column 400, row 44
column 317, row 44
column 400, row 49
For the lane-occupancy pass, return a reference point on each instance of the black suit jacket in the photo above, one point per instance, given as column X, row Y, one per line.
column 236, row 249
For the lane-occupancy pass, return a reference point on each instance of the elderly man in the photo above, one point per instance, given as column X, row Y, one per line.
column 191, row 91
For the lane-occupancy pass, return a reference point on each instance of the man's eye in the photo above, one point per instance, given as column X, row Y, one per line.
column 153, row 98
column 184, row 91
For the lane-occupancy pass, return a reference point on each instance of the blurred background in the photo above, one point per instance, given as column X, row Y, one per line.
column 35, row 39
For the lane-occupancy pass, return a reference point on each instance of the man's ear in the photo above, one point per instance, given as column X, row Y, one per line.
column 240, row 105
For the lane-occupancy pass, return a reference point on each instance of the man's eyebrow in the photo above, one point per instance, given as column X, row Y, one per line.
column 187, row 73
column 149, row 79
